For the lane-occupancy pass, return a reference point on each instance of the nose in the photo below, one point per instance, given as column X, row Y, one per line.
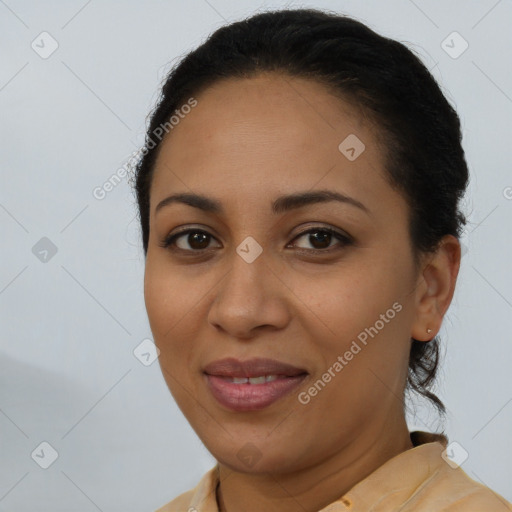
column 251, row 297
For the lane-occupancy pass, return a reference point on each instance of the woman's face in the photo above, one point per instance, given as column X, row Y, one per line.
column 250, row 284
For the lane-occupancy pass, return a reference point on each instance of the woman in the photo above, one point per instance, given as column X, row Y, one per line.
column 299, row 201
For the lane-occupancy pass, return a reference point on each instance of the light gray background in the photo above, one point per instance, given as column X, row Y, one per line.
column 68, row 374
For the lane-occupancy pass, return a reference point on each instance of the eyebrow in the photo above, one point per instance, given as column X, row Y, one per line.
column 280, row 205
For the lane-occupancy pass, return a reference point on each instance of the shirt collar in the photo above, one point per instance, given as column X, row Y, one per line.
column 400, row 473
column 395, row 481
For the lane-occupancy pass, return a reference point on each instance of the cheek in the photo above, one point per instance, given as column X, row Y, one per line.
column 357, row 327
column 168, row 301
column 358, row 312
column 348, row 299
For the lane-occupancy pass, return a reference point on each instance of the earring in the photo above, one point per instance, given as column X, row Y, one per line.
column 429, row 331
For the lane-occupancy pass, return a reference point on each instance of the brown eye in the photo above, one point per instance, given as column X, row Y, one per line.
column 321, row 238
column 198, row 240
column 193, row 240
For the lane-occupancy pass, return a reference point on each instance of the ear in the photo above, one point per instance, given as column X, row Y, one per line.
column 435, row 287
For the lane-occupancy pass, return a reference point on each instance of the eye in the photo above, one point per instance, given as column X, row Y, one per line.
column 199, row 240
column 321, row 239
column 196, row 239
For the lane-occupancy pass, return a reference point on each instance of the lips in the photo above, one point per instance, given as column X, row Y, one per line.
column 253, row 384
column 256, row 367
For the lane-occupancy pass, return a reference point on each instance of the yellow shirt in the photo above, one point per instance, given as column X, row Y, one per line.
column 417, row 480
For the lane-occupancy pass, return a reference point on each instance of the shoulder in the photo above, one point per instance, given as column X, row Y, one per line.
column 447, row 484
column 199, row 499
column 179, row 504
column 424, row 479
column 458, row 492
column 447, row 487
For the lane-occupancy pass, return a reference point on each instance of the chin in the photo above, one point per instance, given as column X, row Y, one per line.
column 263, row 465
column 253, row 455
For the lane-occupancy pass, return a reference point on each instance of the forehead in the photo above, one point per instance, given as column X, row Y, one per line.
column 267, row 108
column 269, row 133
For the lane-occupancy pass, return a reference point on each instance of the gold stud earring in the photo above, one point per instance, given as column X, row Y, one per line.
column 429, row 331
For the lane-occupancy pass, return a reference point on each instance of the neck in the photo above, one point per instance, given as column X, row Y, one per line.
column 314, row 487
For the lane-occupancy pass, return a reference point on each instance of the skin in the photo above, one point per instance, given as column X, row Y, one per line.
column 245, row 143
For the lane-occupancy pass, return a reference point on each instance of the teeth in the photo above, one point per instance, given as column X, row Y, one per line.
column 253, row 380
column 257, row 380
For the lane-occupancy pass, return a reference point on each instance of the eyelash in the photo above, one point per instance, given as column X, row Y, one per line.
column 344, row 239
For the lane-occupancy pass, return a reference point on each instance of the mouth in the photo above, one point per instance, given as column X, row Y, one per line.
column 253, row 384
